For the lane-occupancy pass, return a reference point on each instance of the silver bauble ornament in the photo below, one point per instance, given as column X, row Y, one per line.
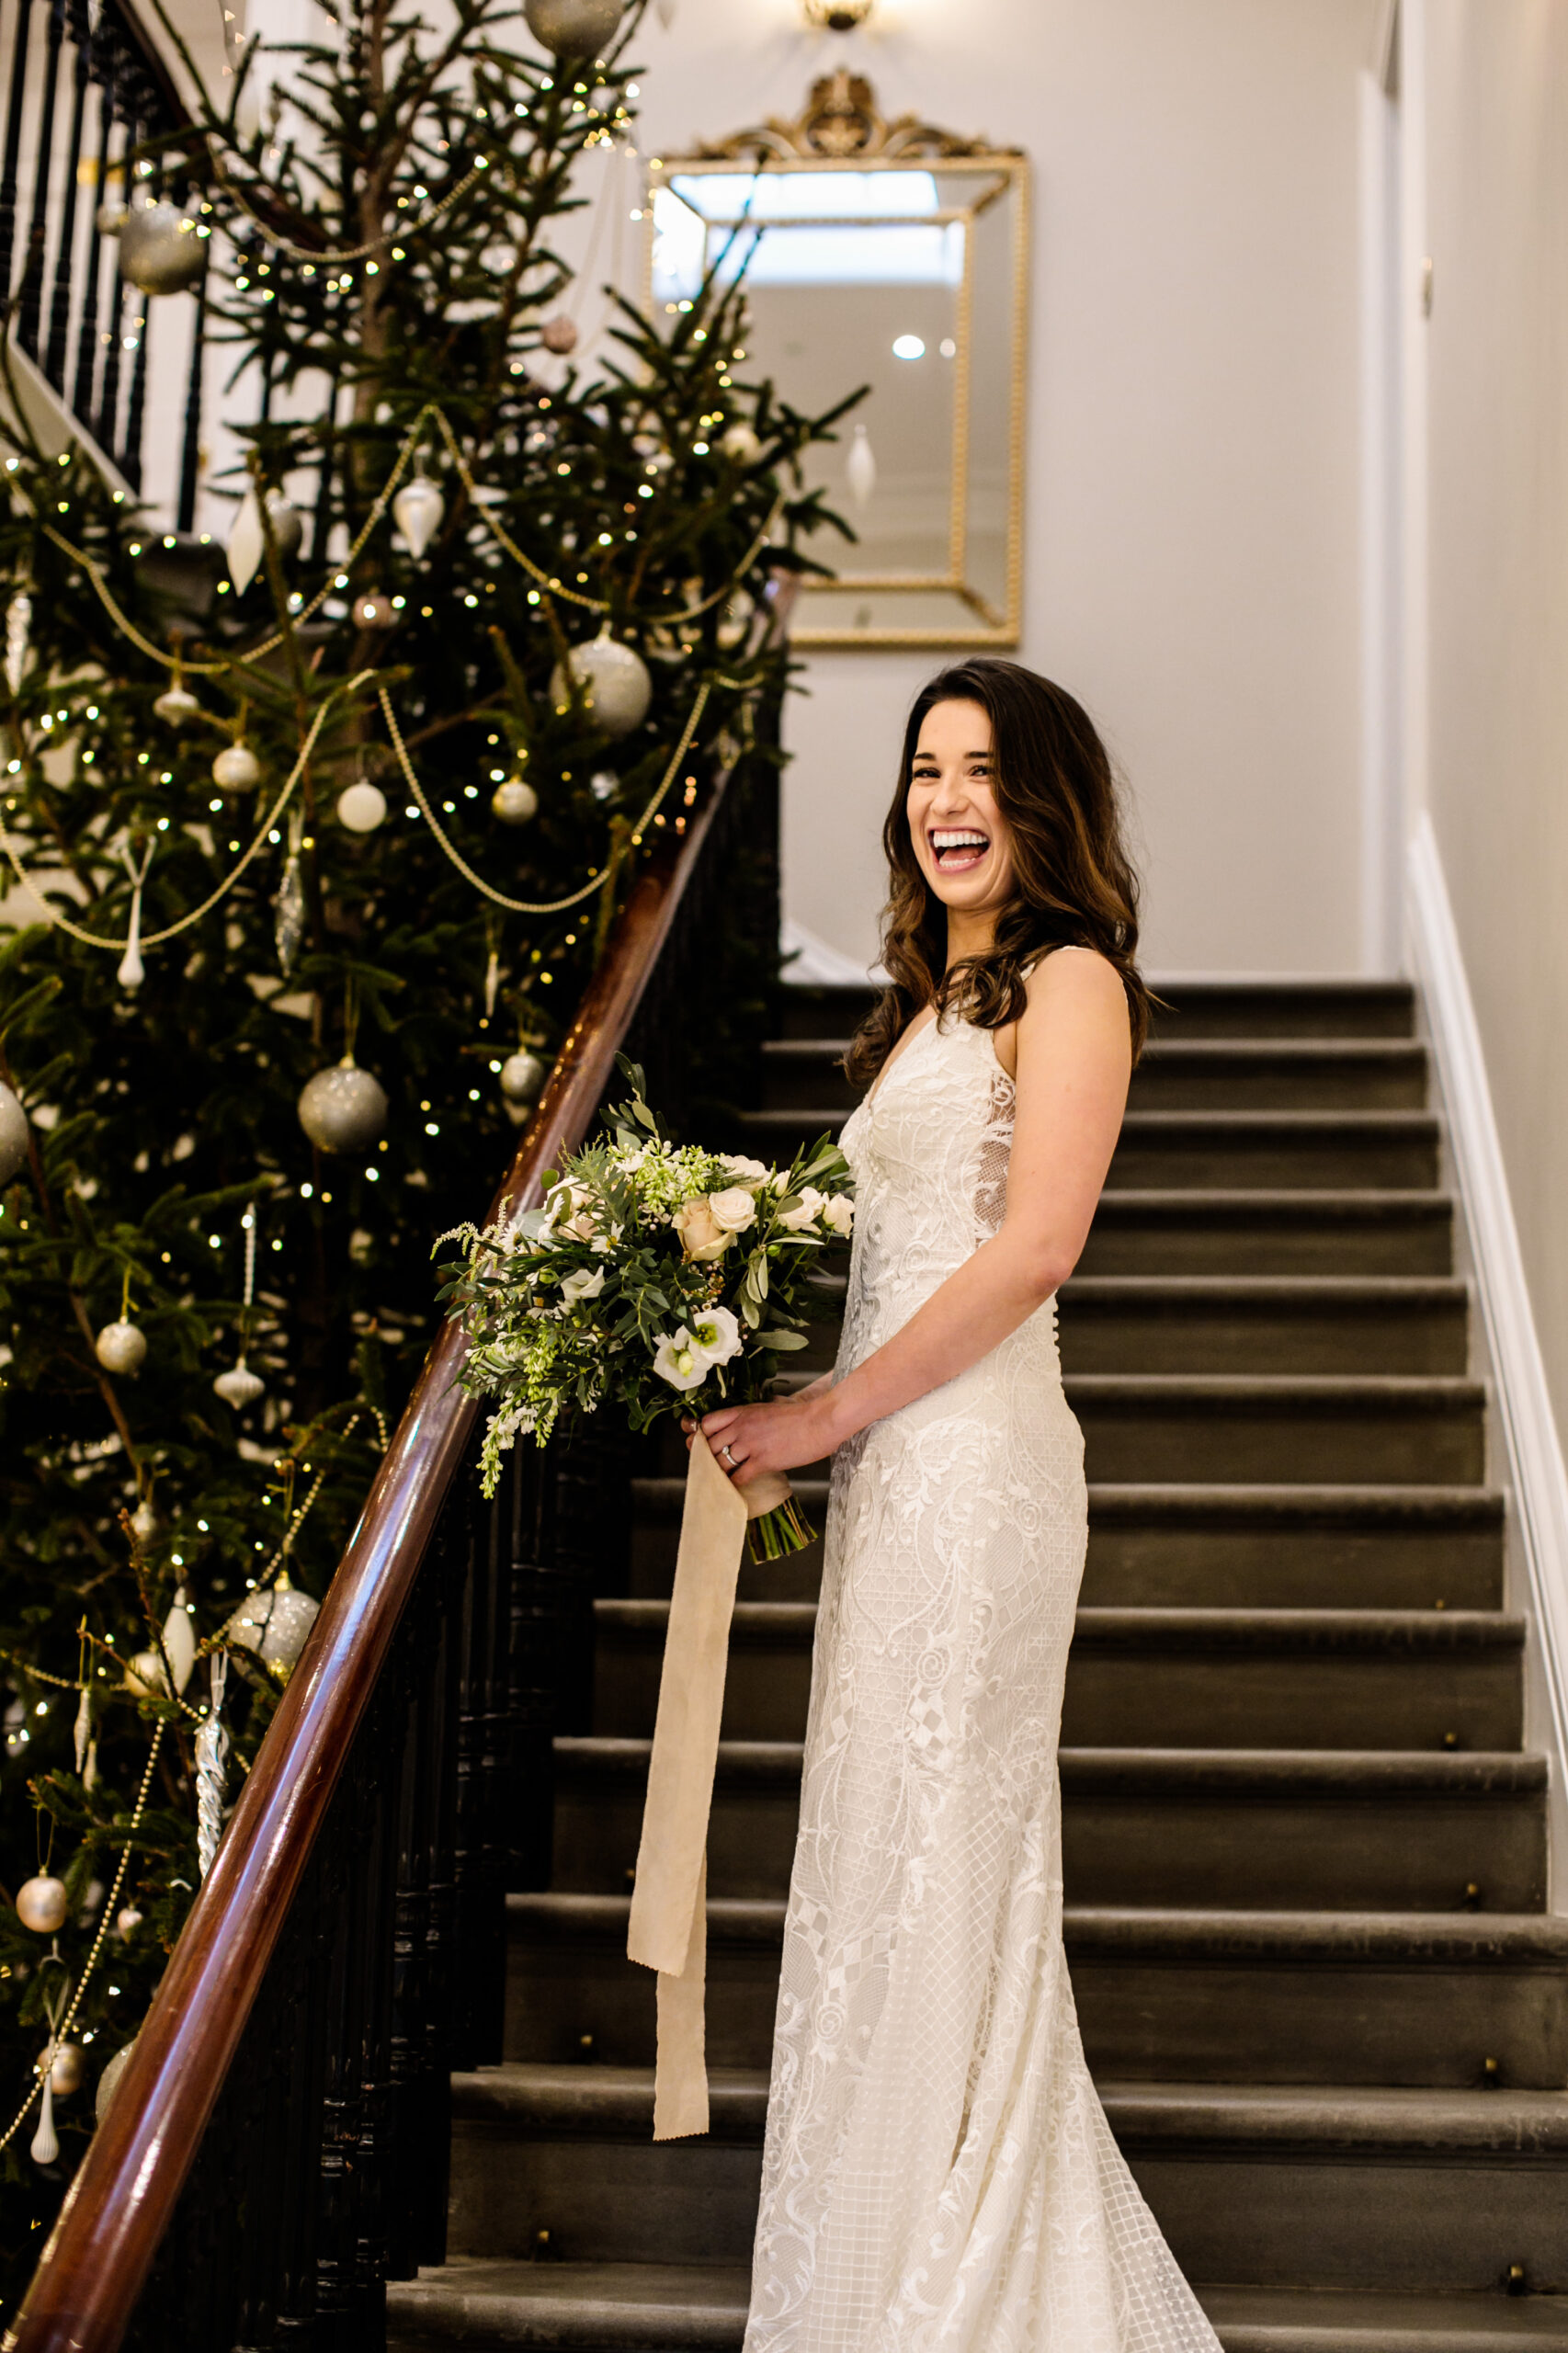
column 574, row 27
column 121, row 1348
column 70, row 2066
column 177, row 704
column 160, row 250
column 109, row 2080
column 274, row 1625
column 237, row 768
column 614, row 683
column 239, row 1387
column 375, row 612
column 41, row 1906
column 559, row 335
column 109, row 218
column 742, row 444
column 418, row 510
column 513, row 802
column 522, row 1076
column 361, row 806
column 343, row 1108
column 13, row 1133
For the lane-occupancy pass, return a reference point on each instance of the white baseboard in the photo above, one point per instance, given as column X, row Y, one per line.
column 1534, row 1469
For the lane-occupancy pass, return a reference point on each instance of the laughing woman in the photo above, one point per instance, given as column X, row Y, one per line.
column 939, row 2171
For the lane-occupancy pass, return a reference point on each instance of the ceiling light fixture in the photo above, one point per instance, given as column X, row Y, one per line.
column 837, row 15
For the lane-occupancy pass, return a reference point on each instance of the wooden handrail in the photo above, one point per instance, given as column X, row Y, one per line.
column 120, row 2205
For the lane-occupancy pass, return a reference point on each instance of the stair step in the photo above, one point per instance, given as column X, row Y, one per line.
column 1297, row 1678
column 1225, row 1230
column 1302, row 1324
column 702, row 2308
column 1309, row 1149
column 1295, row 1546
column 1387, row 1998
column 1307, row 2320
column 1227, row 1075
column 1268, row 1007
column 1405, row 2188
column 482, row 2301
column 1298, row 1546
column 1323, row 1430
column 1363, row 1829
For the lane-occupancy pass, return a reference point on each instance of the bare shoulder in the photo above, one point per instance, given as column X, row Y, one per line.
column 1075, row 979
column 1071, row 993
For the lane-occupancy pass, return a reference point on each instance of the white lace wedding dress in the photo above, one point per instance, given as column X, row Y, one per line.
column 938, row 2172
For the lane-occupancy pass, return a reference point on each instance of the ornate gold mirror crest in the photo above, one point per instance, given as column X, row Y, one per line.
column 892, row 255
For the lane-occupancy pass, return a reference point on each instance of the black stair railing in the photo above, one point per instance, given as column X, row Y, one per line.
column 278, row 2146
column 88, row 105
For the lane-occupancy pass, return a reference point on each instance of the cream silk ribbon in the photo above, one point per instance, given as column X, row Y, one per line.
column 668, row 1926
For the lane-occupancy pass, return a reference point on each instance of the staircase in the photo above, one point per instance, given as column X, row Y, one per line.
column 1305, row 1846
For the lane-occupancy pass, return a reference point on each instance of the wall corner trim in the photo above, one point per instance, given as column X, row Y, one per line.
column 1533, row 1448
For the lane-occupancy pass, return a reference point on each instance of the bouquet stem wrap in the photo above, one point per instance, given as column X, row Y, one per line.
column 668, row 1926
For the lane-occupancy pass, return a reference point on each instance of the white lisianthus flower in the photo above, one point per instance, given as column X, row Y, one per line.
column 569, row 1212
column 702, row 1238
column 806, row 1211
column 733, row 1208
column 718, row 1336
column 678, row 1360
column 749, row 1172
column 582, row 1284
column 839, row 1212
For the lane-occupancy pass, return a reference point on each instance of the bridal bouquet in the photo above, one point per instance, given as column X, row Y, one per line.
column 664, row 1277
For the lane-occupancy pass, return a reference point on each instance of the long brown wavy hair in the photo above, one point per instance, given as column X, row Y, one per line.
column 1074, row 882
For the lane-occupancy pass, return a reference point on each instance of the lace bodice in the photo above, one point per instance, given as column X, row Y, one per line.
column 929, row 1146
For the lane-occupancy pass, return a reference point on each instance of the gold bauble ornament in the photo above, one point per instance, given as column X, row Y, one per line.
column 343, row 1107
column 513, row 802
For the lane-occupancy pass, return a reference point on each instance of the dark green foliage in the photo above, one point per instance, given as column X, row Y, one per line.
column 157, row 1116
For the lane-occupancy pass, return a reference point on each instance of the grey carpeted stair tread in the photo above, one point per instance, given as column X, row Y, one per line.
column 591, row 2307
column 1342, row 1772
column 1533, row 1939
column 1305, row 2320
column 1260, row 1504
column 762, row 1624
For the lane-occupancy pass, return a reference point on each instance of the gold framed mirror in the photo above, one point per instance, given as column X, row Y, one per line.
column 894, row 255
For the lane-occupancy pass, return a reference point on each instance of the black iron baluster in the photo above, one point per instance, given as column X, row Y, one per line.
column 13, row 144
column 66, row 252
column 89, row 331
column 190, row 453
column 30, row 303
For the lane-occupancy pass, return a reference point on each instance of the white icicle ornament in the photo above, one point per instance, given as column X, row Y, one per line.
column 860, row 468
column 45, row 2146
column 19, row 639
column 418, row 510
column 614, row 683
column 13, row 1133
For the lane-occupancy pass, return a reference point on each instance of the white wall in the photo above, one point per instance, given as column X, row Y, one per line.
column 1496, row 364
column 1192, row 487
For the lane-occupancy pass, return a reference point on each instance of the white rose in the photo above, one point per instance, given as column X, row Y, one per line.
column 751, row 1171
column 582, row 1284
column 678, row 1360
column 702, row 1238
column 805, row 1212
column 718, row 1336
column 733, row 1208
column 839, row 1212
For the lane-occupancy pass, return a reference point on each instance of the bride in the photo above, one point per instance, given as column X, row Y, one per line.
column 938, row 2172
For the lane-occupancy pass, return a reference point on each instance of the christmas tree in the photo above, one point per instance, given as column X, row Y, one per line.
column 311, row 851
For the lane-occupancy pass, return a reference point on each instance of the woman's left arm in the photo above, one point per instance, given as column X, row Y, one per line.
column 1074, row 1062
